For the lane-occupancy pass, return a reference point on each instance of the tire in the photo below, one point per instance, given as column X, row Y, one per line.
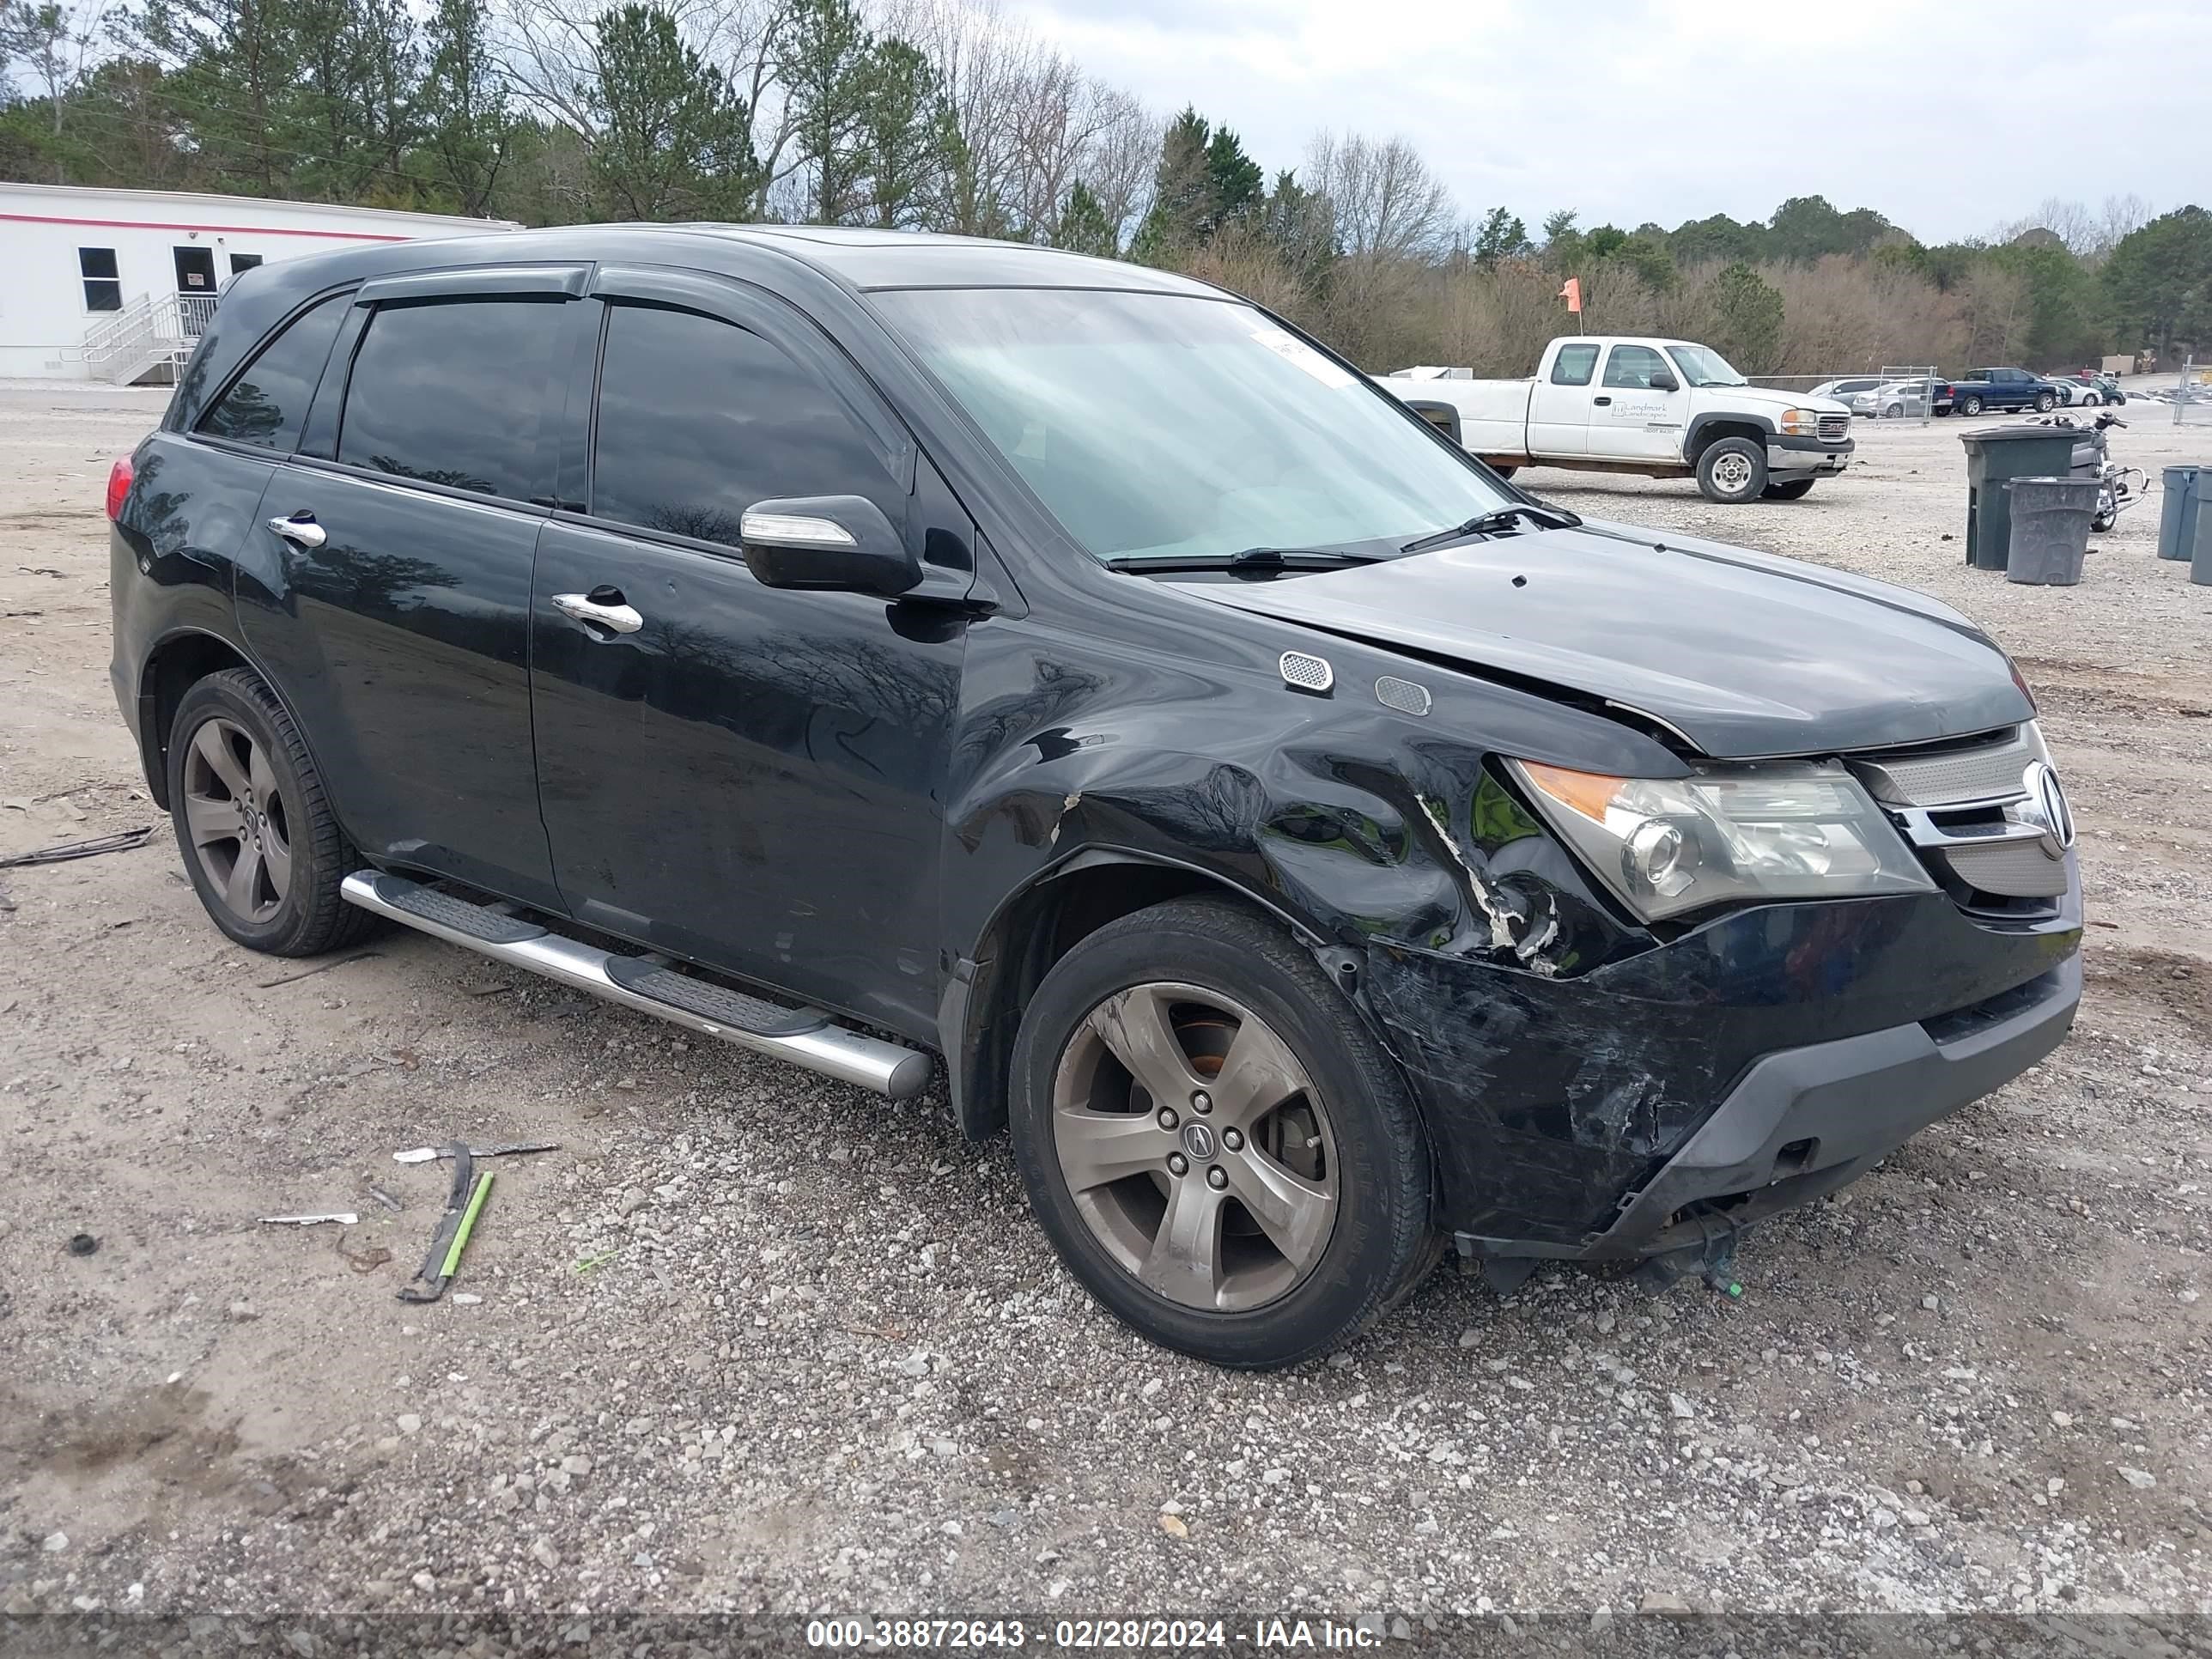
column 1895, row 412
column 1502, row 471
column 1198, row 975
column 272, row 883
column 1794, row 490
column 1970, row 406
column 1732, row 470
column 2045, row 402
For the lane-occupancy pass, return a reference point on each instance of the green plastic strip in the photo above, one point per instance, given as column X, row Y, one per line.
column 468, row 1226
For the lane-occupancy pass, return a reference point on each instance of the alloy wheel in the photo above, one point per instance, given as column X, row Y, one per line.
column 238, row 819
column 1195, row 1147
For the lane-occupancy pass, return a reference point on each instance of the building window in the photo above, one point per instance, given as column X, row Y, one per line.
column 243, row 262
column 103, row 285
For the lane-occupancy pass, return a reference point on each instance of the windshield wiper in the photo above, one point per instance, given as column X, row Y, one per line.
column 1488, row 524
column 1252, row 558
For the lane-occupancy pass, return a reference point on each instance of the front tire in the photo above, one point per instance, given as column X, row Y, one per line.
column 1794, row 490
column 2045, row 402
column 1216, row 1145
column 1732, row 470
column 260, row 844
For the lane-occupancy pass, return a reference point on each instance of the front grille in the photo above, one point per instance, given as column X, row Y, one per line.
column 1833, row 427
column 1989, row 771
column 1961, row 792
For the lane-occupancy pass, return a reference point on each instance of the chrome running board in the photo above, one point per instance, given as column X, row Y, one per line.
column 805, row 1036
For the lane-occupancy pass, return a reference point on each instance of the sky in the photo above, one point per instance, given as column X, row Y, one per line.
column 1949, row 116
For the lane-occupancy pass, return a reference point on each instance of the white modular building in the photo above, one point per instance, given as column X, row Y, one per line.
column 117, row 285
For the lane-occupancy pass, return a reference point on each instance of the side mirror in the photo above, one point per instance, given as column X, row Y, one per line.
column 1663, row 381
column 841, row 543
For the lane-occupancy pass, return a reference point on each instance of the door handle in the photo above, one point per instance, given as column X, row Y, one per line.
column 621, row 618
column 301, row 528
column 1601, row 402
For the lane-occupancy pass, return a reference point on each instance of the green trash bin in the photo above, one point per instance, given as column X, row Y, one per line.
column 1997, row 454
column 2177, row 513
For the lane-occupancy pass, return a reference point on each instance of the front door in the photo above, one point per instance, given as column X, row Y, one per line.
column 1630, row 419
column 389, row 588
column 195, row 287
column 746, row 776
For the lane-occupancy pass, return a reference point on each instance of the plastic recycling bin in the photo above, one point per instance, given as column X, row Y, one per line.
column 2050, row 530
column 2200, row 563
column 1994, row 455
column 2177, row 514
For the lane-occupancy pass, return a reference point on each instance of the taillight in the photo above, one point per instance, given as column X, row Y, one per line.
column 119, row 486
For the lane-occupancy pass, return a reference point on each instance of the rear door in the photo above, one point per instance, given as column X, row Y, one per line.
column 390, row 590
column 1559, row 402
column 749, row 777
column 1629, row 418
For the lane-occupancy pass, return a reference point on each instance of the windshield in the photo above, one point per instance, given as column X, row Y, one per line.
column 1703, row 366
column 1171, row 426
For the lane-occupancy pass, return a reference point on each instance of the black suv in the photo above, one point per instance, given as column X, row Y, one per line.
column 866, row 648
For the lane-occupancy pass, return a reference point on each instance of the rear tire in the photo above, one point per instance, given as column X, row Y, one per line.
column 1794, row 490
column 1732, row 470
column 1970, row 406
column 260, row 844
column 1299, row 1213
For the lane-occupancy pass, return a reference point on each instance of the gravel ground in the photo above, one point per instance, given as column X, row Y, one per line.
column 754, row 1341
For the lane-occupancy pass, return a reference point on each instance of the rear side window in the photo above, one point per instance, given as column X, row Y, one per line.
column 267, row 405
column 699, row 419
column 1632, row 365
column 455, row 392
column 1573, row 365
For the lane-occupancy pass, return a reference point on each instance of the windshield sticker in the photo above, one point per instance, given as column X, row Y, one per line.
column 1291, row 349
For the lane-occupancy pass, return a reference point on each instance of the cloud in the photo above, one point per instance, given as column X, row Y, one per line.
column 1949, row 116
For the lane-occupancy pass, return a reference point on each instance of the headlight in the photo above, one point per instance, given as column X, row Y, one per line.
column 1668, row 845
column 1799, row 422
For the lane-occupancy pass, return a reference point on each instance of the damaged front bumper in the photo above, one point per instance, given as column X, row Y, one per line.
column 1805, row 1121
column 1750, row 1065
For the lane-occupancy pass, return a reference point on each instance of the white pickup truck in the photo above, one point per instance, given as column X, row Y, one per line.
column 1666, row 409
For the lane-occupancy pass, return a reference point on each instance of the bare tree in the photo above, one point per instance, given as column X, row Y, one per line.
column 1385, row 200
column 58, row 42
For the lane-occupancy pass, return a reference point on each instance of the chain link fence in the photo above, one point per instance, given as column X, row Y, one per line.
column 2192, row 395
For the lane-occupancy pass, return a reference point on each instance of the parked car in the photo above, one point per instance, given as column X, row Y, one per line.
column 1666, row 409
column 2080, row 391
column 884, row 652
column 2003, row 388
column 1844, row 391
column 1895, row 400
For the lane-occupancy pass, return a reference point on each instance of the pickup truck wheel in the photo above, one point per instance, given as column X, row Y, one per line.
column 2045, row 402
column 263, row 850
column 1792, row 491
column 1217, row 1146
column 1732, row 470
column 1969, row 405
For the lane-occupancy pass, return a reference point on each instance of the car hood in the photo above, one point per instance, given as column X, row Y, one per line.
column 1761, row 396
column 1743, row 653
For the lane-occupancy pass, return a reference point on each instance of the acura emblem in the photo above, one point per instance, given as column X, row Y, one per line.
column 1198, row 1141
column 2046, row 808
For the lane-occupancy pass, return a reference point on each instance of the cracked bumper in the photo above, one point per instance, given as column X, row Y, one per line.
column 1805, row 1121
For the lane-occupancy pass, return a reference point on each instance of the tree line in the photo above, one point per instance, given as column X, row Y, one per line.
column 947, row 115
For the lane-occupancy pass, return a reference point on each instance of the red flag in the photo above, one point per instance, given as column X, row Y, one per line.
column 1572, row 292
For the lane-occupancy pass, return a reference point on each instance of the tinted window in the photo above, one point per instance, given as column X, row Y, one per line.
column 243, row 262
column 1632, row 365
column 455, row 392
column 699, row 419
column 268, row 402
column 102, row 290
column 1574, row 364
